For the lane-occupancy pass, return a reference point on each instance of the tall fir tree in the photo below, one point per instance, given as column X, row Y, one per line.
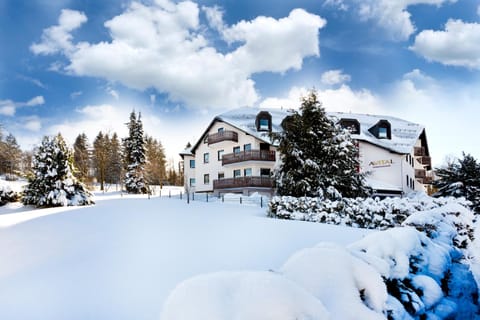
column 460, row 178
column 81, row 157
column 134, row 151
column 53, row 183
column 319, row 158
column 12, row 155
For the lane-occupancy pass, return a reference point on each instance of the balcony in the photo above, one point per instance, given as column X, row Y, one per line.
column 225, row 135
column 418, row 151
column 426, row 161
column 420, row 173
column 243, row 182
column 250, row 155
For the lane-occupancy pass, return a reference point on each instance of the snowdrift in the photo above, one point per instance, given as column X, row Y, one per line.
column 420, row 270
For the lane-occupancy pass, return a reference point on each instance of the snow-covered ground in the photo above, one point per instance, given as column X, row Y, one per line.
column 121, row 258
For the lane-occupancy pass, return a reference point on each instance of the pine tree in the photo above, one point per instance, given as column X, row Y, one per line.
column 53, row 183
column 319, row 158
column 134, row 149
column 81, row 157
column 460, row 178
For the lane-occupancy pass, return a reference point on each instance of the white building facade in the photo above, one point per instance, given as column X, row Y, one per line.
column 235, row 154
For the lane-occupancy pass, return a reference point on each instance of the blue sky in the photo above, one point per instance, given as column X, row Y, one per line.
column 74, row 66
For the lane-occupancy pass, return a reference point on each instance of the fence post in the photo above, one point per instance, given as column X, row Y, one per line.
column 169, row 193
column 240, row 199
column 181, row 193
column 193, row 196
column 160, row 193
column 188, row 197
column 207, row 196
column 261, row 202
column 223, row 198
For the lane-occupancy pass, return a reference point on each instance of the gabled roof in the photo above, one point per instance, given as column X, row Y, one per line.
column 404, row 134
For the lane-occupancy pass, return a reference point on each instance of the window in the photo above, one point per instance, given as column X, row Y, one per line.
column 265, row 172
column 247, row 147
column 236, row 149
column 382, row 133
column 351, row 125
column 192, row 164
column 205, row 139
column 192, row 182
column 220, row 129
column 247, row 172
column 206, row 178
column 206, row 157
column 237, row 173
column 263, row 124
column 220, row 155
column 221, row 175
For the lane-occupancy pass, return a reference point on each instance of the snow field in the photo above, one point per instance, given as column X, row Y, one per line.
column 120, row 258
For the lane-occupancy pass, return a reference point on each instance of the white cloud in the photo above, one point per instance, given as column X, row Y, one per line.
column 339, row 4
column 393, row 16
column 113, row 93
column 162, row 46
column 457, row 45
column 333, row 77
column 36, row 82
column 36, row 101
column 32, row 123
column 153, row 98
column 9, row 107
column 214, row 17
column 58, row 38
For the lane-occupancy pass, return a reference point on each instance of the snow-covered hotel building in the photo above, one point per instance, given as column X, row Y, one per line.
column 235, row 153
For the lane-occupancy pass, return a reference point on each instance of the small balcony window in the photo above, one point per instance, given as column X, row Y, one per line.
column 247, row 147
column 192, row 164
column 236, row 149
column 221, row 175
column 206, row 157
column 192, row 182
column 247, row 172
column 265, row 172
column 206, row 179
column 237, row 173
column 220, row 130
column 220, row 155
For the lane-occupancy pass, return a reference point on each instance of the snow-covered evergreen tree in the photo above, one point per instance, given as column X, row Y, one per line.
column 53, row 183
column 319, row 158
column 81, row 157
column 134, row 150
column 460, row 178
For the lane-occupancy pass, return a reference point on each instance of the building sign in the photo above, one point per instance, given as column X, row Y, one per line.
column 381, row 163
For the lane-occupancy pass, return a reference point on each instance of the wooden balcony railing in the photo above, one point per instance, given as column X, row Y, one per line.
column 418, row 151
column 225, row 135
column 243, row 182
column 251, row 155
column 420, row 173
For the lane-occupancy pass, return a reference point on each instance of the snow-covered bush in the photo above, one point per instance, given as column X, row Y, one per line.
column 54, row 184
column 8, row 195
column 371, row 213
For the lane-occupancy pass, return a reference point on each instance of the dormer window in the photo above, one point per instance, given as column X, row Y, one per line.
column 351, row 125
column 381, row 130
column 263, row 121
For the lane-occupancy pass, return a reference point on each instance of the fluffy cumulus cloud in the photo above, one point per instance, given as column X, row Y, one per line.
column 333, row 77
column 9, row 107
column 393, row 16
column 457, row 45
column 163, row 46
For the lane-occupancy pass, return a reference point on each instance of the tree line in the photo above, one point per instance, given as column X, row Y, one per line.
column 105, row 161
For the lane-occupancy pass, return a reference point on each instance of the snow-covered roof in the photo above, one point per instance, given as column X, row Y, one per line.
column 404, row 134
column 186, row 152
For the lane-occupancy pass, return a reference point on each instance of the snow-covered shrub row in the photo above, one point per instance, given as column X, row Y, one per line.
column 417, row 271
column 371, row 213
column 8, row 195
